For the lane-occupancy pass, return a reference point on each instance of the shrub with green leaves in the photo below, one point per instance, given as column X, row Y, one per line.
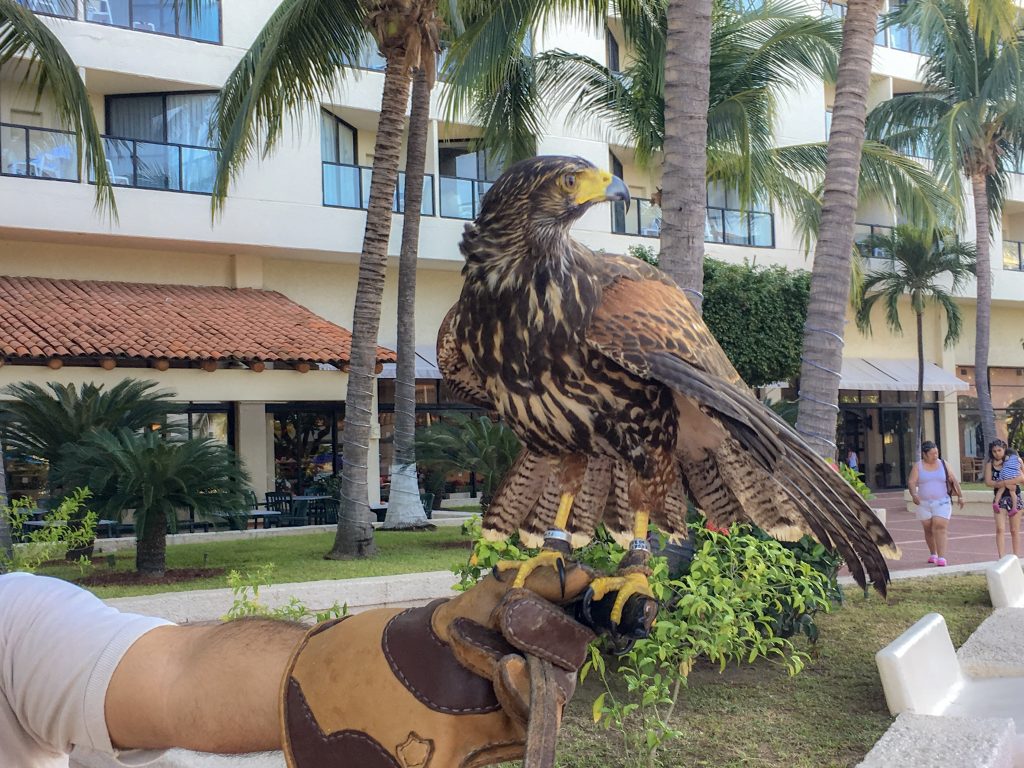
column 68, row 527
column 743, row 598
column 246, row 604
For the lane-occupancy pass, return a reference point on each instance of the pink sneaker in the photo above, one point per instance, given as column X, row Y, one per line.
column 933, row 559
column 940, row 561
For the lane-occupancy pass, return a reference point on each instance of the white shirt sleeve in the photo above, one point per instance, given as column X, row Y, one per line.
column 59, row 647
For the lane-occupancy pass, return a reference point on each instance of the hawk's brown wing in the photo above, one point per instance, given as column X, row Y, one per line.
column 457, row 375
column 737, row 458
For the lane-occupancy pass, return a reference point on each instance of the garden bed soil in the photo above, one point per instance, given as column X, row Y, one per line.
column 133, row 578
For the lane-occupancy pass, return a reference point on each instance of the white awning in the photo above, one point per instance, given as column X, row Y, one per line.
column 426, row 365
column 896, row 375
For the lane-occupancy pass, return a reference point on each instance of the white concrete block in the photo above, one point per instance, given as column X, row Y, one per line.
column 1006, row 583
column 922, row 741
column 994, row 649
column 919, row 669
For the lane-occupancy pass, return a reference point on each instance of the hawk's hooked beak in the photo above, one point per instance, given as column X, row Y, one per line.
column 597, row 186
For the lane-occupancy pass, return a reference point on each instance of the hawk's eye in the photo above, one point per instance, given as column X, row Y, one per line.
column 569, row 180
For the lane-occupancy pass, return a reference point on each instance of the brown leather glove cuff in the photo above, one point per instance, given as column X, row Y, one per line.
column 382, row 690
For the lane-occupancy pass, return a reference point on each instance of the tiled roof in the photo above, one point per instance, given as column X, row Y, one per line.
column 42, row 318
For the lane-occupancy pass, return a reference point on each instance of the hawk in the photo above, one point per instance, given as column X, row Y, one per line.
column 625, row 404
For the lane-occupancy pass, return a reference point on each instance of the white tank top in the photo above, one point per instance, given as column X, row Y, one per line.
column 931, row 484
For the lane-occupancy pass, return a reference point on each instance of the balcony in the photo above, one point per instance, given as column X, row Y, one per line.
column 65, row 9
column 1013, row 255
column 348, row 186
column 642, row 220
column 898, row 37
column 461, row 197
column 38, row 153
column 160, row 17
column 734, row 227
column 151, row 165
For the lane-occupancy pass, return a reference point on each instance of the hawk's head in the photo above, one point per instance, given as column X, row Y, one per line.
column 549, row 191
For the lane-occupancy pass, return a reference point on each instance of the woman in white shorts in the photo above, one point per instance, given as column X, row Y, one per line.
column 931, row 484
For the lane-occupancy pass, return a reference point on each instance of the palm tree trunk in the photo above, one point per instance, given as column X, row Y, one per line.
column 830, row 279
column 919, row 430
column 684, row 183
column 151, row 546
column 984, row 309
column 355, row 529
column 6, row 540
column 404, row 507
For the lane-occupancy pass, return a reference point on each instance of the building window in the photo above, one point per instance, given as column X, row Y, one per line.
column 728, row 223
column 64, row 8
column 861, row 232
column 337, row 139
column 162, row 141
column 346, row 184
column 164, row 17
column 611, row 50
column 466, row 174
column 1013, row 255
column 307, row 444
column 216, row 421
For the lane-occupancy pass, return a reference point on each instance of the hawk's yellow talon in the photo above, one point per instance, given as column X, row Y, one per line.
column 544, row 558
column 627, row 586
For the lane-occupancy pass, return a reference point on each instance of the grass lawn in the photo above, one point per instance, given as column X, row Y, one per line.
column 831, row 714
column 295, row 558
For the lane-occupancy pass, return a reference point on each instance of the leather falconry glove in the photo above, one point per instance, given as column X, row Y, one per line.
column 476, row 680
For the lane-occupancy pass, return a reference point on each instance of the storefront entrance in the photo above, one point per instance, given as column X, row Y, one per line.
column 880, row 427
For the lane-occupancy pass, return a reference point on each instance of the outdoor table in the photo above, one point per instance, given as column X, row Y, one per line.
column 268, row 516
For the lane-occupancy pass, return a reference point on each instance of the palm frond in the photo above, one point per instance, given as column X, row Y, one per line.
column 29, row 44
column 297, row 58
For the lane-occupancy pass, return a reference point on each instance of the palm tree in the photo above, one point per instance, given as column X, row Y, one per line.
column 26, row 43
column 463, row 443
column 6, row 538
column 830, row 278
column 970, row 118
column 830, row 284
column 405, row 510
column 155, row 477
column 298, row 56
column 684, row 186
column 489, row 67
column 757, row 55
column 42, row 423
column 921, row 263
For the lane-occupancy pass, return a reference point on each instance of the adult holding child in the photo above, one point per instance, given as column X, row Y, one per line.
column 932, row 488
column 1004, row 474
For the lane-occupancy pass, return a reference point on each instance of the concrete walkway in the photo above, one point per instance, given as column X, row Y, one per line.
column 972, row 540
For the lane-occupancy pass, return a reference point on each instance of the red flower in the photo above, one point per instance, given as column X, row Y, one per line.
column 724, row 530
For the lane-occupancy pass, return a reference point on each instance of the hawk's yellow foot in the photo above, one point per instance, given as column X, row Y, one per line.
column 546, row 558
column 626, row 585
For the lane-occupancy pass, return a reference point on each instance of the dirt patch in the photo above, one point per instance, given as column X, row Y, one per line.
column 455, row 545
column 131, row 578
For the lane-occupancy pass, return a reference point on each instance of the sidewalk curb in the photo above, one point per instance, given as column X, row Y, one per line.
column 360, row 594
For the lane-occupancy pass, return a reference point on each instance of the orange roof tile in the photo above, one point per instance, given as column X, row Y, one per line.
column 43, row 318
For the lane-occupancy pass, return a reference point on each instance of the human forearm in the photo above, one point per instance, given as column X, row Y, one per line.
column 207, row 688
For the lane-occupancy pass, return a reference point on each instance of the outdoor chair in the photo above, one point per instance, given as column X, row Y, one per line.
column 281, row 502
column 323, row 511
column 428, row 504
